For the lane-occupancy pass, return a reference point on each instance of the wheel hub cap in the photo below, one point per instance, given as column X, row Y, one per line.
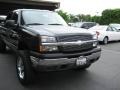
column 20, row 68
column 106, row 40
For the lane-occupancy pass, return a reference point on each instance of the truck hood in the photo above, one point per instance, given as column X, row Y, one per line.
column 56, row 30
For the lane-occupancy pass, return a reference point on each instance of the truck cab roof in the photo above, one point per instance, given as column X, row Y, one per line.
column 29, row 10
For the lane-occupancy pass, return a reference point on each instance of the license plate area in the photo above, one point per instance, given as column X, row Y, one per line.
column 81, row 61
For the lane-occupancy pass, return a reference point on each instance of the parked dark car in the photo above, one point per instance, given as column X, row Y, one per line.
column 44, row 42
column 85, row 25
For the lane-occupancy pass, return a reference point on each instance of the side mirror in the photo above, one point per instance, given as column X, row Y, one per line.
column 2, row 18
column 10, row 24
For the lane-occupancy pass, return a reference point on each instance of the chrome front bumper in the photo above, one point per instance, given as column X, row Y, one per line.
column 61, row 63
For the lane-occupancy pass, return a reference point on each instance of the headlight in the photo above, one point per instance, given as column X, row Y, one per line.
column 95, row 44
column 95, row 36
column 48, row 48
column 51, row 48
column 47, row 39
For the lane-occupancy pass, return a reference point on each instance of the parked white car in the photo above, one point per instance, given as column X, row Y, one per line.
column 106, row 33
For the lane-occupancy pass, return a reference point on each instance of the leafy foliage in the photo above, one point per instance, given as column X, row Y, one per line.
column 64, row 15
column 108, row 16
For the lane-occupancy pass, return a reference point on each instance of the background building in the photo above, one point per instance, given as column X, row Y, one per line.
column 8, row 5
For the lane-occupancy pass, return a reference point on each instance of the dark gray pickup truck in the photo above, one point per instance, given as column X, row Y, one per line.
column 43, row 41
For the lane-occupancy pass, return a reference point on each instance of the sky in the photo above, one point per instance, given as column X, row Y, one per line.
column 92, row 7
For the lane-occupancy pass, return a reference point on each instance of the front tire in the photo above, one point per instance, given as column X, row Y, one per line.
column 24, row 68
column 105, row 40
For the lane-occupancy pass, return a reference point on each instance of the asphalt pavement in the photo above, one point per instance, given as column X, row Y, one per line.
column 102, row 75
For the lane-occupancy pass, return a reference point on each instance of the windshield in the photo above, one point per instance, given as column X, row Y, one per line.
column 115, row 25
column 37, row 17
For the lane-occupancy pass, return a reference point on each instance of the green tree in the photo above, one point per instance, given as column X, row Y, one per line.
column 64, row 15
column 110, row 16
column 83, row 17
column 73, row 18
column 96, row 19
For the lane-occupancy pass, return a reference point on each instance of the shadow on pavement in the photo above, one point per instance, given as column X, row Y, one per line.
column 59, row 79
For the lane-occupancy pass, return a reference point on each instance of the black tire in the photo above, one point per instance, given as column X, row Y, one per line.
column 105, row 40
column 2, row 46
column 26, row 68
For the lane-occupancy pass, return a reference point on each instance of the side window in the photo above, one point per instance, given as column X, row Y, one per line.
column 90, row 25
column 84, row 25
column 15, row 17
column 109, row 29
column 115, row 29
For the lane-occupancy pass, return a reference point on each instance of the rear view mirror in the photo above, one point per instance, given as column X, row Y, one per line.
column 10, row 24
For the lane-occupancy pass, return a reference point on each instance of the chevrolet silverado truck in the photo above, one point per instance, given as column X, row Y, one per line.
column 43, row 41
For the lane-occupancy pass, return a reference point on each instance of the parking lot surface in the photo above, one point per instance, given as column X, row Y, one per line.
column 102, row 75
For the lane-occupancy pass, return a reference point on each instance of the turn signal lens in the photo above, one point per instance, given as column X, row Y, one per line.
column 98, row 33
column 48, row 48
column 43, row 49
column 95, row 44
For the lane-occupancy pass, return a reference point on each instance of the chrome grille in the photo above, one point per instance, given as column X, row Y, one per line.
column 72, row 48
column 72, row 38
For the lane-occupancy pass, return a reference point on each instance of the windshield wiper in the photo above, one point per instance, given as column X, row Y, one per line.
column 55, row 24
column 34, row 24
